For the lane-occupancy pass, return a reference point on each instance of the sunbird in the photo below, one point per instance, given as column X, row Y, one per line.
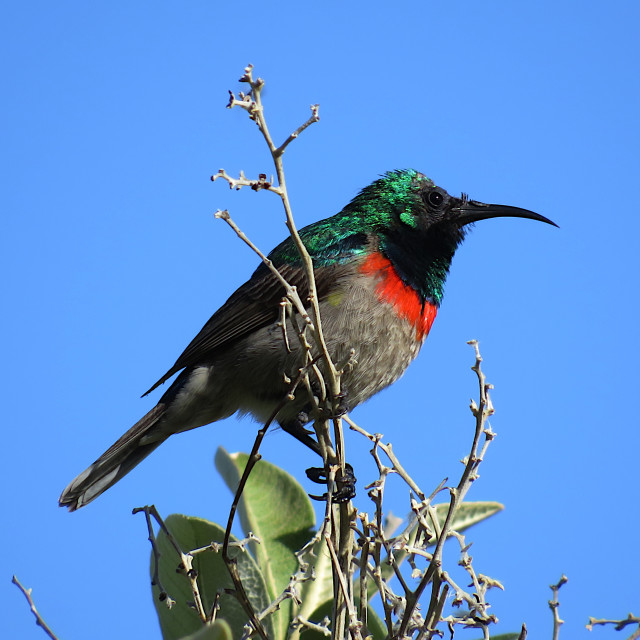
column 380, row 266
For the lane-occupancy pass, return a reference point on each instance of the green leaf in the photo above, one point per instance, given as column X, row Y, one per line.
column 276, row 509
column 213, row 577
column 468, row 513
column 219, row 630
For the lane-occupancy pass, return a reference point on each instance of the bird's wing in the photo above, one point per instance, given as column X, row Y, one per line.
column 254, row 305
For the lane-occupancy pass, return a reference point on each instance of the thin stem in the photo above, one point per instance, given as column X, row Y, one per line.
column 39, row 621
column 481, row 413
column 554, row 604
column 329, row 379
column 618, row 624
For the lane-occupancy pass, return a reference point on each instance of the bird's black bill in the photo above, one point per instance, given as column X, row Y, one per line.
column 472, row 211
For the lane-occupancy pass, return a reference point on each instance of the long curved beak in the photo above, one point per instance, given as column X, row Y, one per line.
column 473, row 211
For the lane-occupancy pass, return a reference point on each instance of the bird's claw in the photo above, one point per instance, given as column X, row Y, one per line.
column 345, row 484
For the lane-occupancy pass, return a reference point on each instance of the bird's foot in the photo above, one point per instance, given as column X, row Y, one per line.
column 345, row 484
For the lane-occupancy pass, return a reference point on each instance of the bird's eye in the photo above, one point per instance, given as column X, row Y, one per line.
column 435, row 198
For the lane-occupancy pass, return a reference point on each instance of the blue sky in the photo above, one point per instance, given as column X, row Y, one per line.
column 113, row 119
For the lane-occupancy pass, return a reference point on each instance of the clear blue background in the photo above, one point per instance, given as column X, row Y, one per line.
column 113, row 119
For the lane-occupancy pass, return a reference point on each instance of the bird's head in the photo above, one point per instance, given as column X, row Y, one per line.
column 419, row 225
column 408, row 200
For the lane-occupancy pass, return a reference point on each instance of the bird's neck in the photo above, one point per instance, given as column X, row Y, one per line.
column 411, row 269
column 422, row 259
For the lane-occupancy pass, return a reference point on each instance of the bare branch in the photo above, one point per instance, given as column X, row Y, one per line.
column 243, row 181
column 314, row 118
column 326, row 402
column 291, row 292
column 554, row 604
column 618, row 624
column 322, row 628
column 216, row 547
column 39, row 621
column 252, row 103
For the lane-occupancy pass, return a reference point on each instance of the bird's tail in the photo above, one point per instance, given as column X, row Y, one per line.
column 133, row 447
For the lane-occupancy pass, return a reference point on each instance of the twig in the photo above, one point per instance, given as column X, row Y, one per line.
column 436, row 612
column 329, row 379
column 216, row 547
column 363, row 561
column 252, row 102
column 243, row 181
column 619, row 624
column 322, row 628
column 419, row 534
column 313, row 118
column 355, row 625
column 482, row 412
column 291, row 292
column 376, row 438
column 39, row 621
column 163, row 596
column 554, row 604
column 186, row 560
column 215, row 607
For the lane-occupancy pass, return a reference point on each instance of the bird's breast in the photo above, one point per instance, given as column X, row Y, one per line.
column 370, row 313
column 391, row 290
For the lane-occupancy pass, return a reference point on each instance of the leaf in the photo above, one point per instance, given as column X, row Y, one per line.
column 213, row 577
column 219, row 630
column 276, row 509
column 468, row 513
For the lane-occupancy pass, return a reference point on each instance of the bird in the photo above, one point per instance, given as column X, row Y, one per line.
column 380, row 266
